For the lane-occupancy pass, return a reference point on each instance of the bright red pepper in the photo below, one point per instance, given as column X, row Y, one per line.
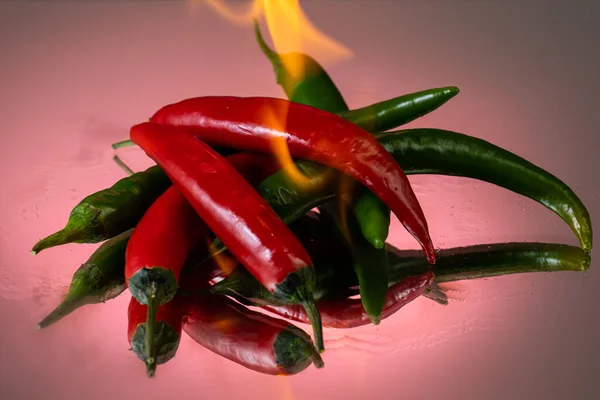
column 254, row 340
column 155, row 256
column 252, row 123
column 235, row 212
column 349, row 313
column 163, row 239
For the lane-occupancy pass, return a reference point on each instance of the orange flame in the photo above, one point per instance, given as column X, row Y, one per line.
column 291, row 30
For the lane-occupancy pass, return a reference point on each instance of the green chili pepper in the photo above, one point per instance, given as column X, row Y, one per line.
column 437, row 151
column 316, row 88
column 390, row 114
column 98, row 280
column 111, row 211
column 374, row 225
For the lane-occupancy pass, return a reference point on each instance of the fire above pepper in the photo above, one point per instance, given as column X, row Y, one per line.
column 247, row 123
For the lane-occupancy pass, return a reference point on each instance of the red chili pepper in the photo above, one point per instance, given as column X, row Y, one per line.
column 161, row 242
column 235, row 212
column 254, row 340
column 168, row 322
column 248, row 123
column 349, row 313
column 155, row 255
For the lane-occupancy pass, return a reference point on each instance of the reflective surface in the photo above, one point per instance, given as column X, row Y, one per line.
column 75, row 77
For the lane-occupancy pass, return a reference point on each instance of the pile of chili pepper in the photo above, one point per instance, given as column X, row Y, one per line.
column 284, row 205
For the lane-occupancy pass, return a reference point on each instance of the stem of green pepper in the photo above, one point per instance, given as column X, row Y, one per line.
column 150, row 323
column 123, row 143
column 123, row 166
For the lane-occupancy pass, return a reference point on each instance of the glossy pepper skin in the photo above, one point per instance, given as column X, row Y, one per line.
column 155, row 256
column 390, row 114
column 315, row 88
column 266, row 247
column 486, row 261
column 256, row 341
column 110, row 212
column 349, row 313
column 442, row 152
column 312, row 134
column 168, row 325
column 97, row 280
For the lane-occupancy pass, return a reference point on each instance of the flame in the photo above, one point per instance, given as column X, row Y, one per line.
column 290, row 30
column 222, row 259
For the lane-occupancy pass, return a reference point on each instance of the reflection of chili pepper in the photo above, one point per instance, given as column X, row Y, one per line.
column 155, row 256
column 266, row 247
column 311, row 134
column 254, row 340
column 436, row 151
column 111, row 211
column 98, row 280
column 167, row 325
column 349, row 313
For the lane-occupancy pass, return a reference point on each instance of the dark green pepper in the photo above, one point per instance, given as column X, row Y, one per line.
column 110, row 212
column 98, row 280
column 442, row 152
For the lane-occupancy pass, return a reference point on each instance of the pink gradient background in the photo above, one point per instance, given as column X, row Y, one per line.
column 75, row 77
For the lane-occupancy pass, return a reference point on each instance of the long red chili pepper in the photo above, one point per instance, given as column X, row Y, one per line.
column 251, row 123
column 235, row 212
column 254, row 340
column 349, row 313
column 162, row 240
column 155, row 255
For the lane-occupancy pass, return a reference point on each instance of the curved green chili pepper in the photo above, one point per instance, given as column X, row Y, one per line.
column 314, row 87
column 98, row 280
column 442, row 152
column 111, row 211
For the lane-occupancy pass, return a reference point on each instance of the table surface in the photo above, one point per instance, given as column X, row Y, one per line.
column 75, row 76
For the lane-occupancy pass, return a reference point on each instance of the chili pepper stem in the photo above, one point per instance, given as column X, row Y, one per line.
column 270, row 54
column 315, row 320
column 123, row 143
column 316, row 357
column 123, row 166
column 150, row 347
column 375, row 319
column 66, row 235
